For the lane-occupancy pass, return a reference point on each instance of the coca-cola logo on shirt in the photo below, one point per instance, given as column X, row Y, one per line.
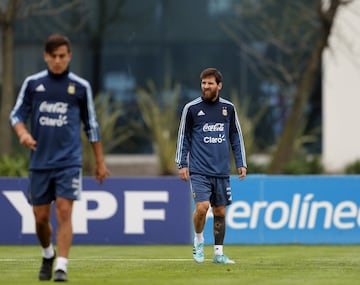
column 53, row 108
column 217, row 127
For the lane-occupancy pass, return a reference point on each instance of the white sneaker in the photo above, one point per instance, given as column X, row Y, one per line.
column 223, row 259
column 198, row 252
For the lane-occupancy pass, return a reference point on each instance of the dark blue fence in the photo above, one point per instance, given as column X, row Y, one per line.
column 158, row 210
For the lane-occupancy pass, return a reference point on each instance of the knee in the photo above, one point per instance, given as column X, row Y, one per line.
column 63, row 211
column 42, row 218
column 42, row 215
column 219, row 211
column 202, row 208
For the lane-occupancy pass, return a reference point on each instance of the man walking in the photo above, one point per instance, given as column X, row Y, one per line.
column 57, row 102
column 209, row 127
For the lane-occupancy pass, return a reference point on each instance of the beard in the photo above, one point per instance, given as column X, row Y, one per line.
column 209, row 95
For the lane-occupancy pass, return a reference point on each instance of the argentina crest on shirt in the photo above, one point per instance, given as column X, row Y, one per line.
column 71, row 88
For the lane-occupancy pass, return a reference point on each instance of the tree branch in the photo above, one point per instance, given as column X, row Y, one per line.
column 43, row 8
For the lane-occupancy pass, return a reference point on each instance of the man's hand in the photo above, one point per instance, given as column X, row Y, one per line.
column 27, row 140
column 242, row 172
column 101, row 172
column 184, row 174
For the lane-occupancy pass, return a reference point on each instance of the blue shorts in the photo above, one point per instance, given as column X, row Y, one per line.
column 216, row 190
column 46, row 185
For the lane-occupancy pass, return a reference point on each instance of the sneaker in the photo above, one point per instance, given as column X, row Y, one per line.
column 223, row 259
column 198, row 252
column 46, row 268
column 60, row 276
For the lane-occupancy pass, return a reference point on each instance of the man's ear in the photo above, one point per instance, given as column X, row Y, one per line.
column 220, row 86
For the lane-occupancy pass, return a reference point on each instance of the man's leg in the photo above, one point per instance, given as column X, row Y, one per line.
column 219, row 228
column 64, row 236
column 199, row 216
column 42, row 223
column 199, row 219
column 43, row 227
column 219, row 235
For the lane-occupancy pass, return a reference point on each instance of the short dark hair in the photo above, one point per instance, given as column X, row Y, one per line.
column 56, row 40
column 211, row 71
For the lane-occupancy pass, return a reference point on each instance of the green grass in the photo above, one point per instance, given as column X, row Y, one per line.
column 148, row 264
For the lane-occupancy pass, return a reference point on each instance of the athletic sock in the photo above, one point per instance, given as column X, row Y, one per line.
column 199, row 237
column 218, row 250
column 48, row 252
column 61, row 263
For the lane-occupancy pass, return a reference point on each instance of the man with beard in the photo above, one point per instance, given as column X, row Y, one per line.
column 209, row 127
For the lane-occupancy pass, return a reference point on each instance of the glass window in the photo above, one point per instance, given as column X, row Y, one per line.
column 218, row 7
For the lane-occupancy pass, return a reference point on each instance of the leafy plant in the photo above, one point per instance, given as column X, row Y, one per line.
column 302, row 164
column 353, row 168
column 108, row 114
column 14, row 165
column 159, row 111
column 248, row 124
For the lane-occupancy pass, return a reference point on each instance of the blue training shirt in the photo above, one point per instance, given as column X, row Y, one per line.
column 57, row 105
column 207, row 132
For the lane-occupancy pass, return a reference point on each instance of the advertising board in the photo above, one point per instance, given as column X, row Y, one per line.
column 292, row 209
column 120, row 211
column 158, row 210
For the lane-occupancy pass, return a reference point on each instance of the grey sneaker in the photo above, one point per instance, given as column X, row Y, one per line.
column 46, row 268
column 223, row 259
column 60, row 276
column 198, row 252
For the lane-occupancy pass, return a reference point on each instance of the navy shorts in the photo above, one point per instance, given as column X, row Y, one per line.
column 216, row 190
column 46, row 185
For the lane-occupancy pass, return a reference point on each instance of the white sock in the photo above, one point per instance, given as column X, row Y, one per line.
column 199, row 237
column 218, row 250
column 48, row 252
column 61, row 263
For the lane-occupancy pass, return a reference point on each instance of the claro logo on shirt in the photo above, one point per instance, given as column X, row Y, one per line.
column 53, row 108
column 219, row 139
column 217, row 127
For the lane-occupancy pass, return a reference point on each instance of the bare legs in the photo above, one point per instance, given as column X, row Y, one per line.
column 199, row 218
column 64, row 230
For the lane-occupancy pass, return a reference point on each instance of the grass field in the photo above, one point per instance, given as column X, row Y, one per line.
column 148, row 264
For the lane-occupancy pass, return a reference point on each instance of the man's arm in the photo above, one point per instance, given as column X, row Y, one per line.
column 237, row 145
column 25, row 138
column 183, row 142
column 183, row 146
column 101, row 171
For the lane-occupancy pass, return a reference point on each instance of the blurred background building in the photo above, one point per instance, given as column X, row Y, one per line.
column 261, row 47
column 341, row 85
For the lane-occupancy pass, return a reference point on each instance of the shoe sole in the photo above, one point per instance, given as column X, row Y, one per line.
column 60, row 277
column 199, row 260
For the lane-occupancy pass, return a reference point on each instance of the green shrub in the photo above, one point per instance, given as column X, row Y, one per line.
column 108, row 114
column 159, row 109
column 256, row 168
column 304, row 165
column 353, row 168
column 14, row 165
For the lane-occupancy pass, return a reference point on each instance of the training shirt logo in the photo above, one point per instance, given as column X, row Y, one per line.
column 59, row 108
column 224, row 111
column 71, row 88
column 217, row 127
column 40, row 88
column 219, row 139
